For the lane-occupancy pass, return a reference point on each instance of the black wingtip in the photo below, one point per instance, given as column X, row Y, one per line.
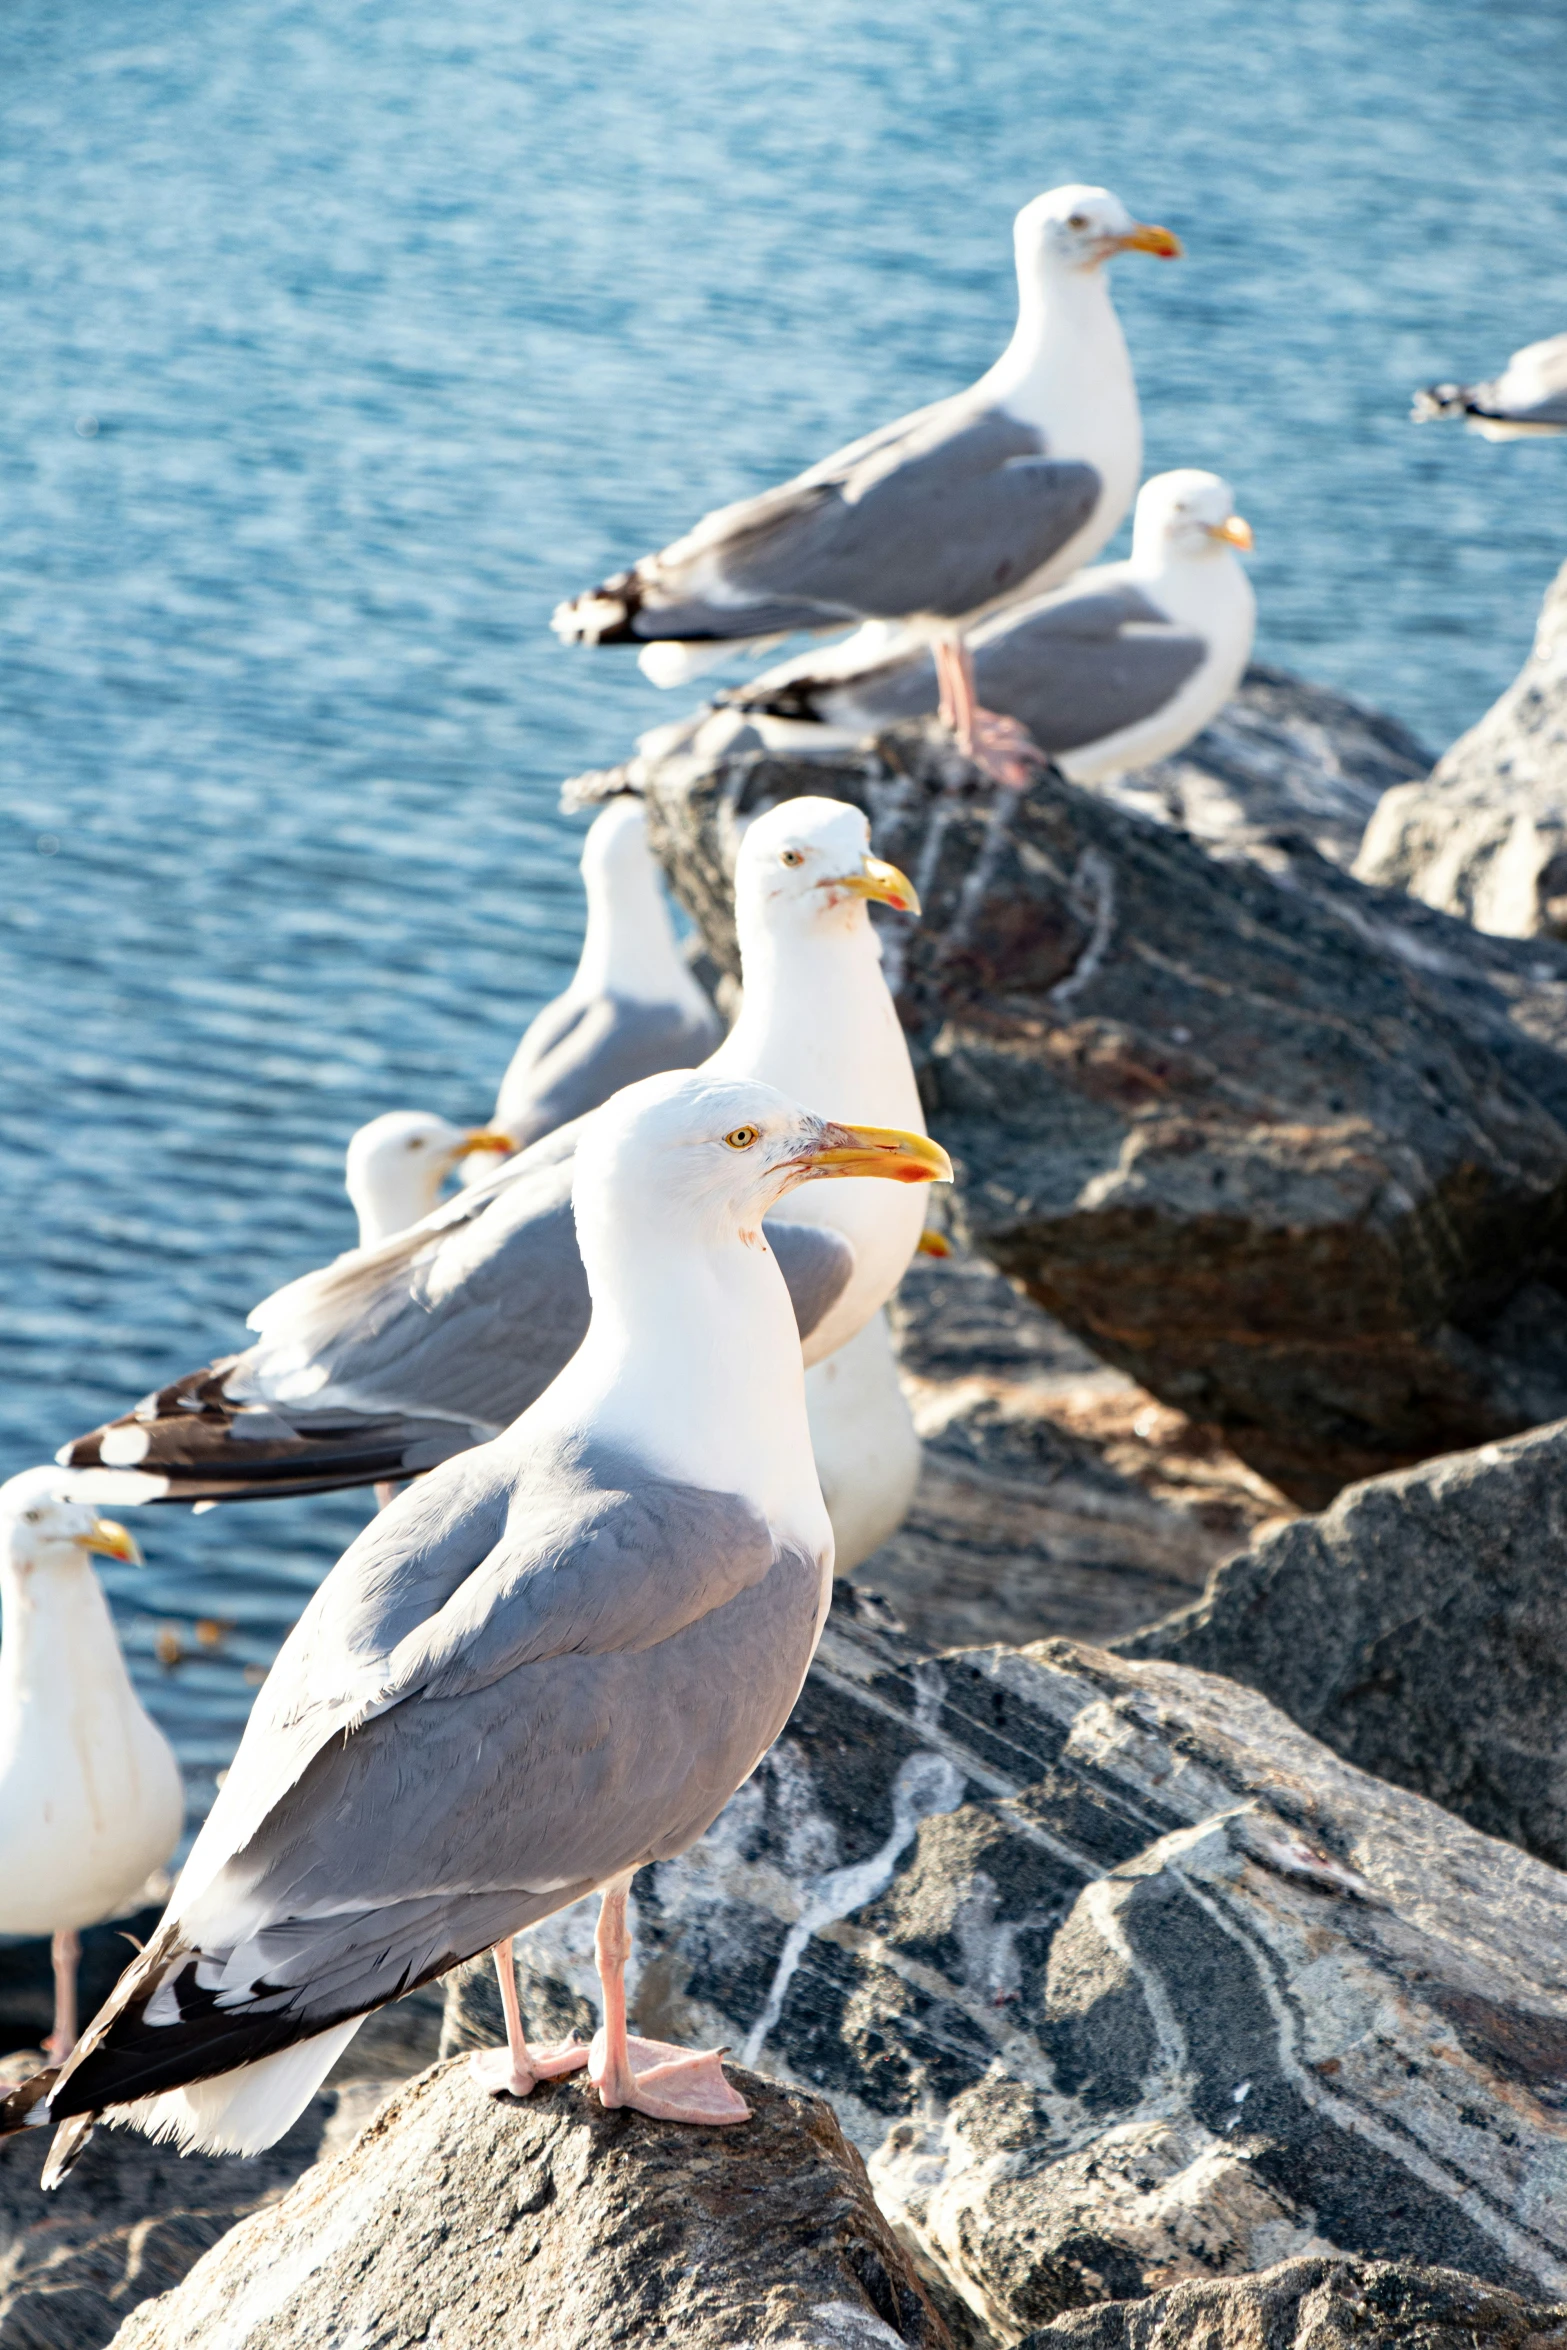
column 70, row 2144
column 17, row 2110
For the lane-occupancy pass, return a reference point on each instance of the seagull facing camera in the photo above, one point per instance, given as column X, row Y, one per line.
column 90, row 1795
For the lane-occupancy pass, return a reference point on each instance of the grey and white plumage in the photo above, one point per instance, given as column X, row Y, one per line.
column 395, row 1357
column 999, row 490
column 1122, row 666
column 547, row 1664
column 632, row 1007
column 1528, row 397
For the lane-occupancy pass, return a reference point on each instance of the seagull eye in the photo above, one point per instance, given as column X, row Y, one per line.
column 740, row 1138
column 1077, row 220
column 31, row 1517
column 791, row 856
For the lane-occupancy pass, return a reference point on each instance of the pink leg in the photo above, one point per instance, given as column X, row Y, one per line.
column 1003, row 748
column 385, row 1491
column 64, row 1950
column 671, row 2084
column 515, row 2069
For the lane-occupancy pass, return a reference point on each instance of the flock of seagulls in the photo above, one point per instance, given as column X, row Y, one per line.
column 626, row 1395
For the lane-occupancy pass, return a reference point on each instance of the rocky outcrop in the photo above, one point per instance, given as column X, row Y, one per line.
column 1116, row 1977
column 1417, row 1628
column 551, row 2224
column 1318, row 2305
column 1486, row 836
column 1283, row 757
column 1055, row 1495
column 1290, row 1152
column 132, row 2218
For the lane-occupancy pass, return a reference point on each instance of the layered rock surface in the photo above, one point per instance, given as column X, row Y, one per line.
column 1055, row 1495
column 1290, row 1152
column 1116, row 1977
column 1319, row 2305
column 1416, row 1627
column 1485, row 837
column 132, row 2218
column 552, row 2224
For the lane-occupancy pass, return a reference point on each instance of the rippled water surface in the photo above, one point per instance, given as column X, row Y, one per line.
column 339, row 341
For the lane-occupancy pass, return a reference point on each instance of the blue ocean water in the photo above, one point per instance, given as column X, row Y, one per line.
column 338, row 341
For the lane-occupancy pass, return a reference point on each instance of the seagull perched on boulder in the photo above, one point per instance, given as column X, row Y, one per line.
column 547, row 1665
column 996, row 492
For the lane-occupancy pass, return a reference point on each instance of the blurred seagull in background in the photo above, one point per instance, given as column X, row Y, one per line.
column 549, row 1664
column 999, row 491
column 1528, row 397
column 1119, row 668
column 91, row 1802
column 632, row 1007
column 397, row 1164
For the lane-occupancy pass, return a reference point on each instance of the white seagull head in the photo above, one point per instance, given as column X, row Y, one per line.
column 616, row 849
column 806, row 866
column 1080, row 228
column 1187, row 513
column 685, row 1156
column 397, row 1164
column 43, row 1527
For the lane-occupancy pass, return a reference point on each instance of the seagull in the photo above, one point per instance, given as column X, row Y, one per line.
column 632, row 1007
column 1121, row 667
column 546, row 1666
column 90, row 1796
column 395, row 1357
column 1000, row 491
column 397, row 1164
column 1528, row 397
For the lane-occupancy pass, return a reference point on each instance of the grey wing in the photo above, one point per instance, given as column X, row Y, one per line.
column 611, row 1042
column 587, row 1700
column 941, row 513
column 1074, row 668
column 817, row 1264
column 1084, row 668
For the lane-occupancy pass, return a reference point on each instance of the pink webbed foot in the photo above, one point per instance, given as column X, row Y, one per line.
column 1005, row 749
column 499, row 2074
column 672, row 2084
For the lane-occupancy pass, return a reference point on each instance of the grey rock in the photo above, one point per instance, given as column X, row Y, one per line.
column 1485, row 836
column 1318, row 2305
column 1115, row 1976
column 1284, row 756
column 1290, row 1152
column 1055, row 1494
column 133, row 2217
column 1417, row 1628
column 129, row 2222
column 553, row 2224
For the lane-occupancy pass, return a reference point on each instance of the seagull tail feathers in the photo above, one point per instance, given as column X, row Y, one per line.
column 193, row 1442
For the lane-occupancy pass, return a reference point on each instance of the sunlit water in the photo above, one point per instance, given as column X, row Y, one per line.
column 339, row 341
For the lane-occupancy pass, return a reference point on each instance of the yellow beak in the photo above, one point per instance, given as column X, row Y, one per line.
column 877, row 1150
column 1145, row 238
column 110, row 1541
column 877, row 879
column 933, row 1244
column 1235, row 533
column 484, row 1138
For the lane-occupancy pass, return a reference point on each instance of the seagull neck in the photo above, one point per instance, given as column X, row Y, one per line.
column 817, row 1019
column 58, row 1633
column 1058, row 311
column 628, row 947
column 692, row 1362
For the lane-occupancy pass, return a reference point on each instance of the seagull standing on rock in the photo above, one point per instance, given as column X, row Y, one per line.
column 90, row 1797
column 548, row 1664
column 996, row 492
column 1119, row 668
